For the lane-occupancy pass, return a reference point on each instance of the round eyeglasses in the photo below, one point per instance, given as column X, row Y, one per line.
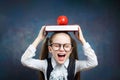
column 56, row 46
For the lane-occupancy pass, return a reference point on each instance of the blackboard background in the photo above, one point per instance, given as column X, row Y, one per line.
column 21, row 20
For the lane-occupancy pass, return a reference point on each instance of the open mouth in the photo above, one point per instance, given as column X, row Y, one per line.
column 61, row 57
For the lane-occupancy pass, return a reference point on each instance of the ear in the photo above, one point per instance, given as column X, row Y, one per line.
column 71, row 50
column 50, row 49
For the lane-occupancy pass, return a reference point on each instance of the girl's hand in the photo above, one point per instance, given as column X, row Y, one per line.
column 79, row 36
column 42, row 34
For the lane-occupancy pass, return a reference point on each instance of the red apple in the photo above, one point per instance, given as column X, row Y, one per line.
column 62, row 20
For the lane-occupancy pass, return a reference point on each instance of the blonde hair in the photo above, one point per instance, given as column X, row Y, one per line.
column 45, row 52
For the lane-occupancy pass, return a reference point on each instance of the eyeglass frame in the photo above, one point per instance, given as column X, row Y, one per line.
column 60, row 45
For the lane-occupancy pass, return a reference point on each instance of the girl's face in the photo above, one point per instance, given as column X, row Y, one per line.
column 60, row 47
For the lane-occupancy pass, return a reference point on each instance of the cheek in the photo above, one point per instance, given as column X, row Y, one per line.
column 68, row 54
column 70, row 51
column 53, row 54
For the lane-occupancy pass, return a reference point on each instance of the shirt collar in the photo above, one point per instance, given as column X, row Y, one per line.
column 54, row 63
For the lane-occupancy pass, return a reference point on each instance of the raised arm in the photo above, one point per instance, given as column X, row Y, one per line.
column 91, row 60
column 27, row 58
column 79, row 36
column 40, row 37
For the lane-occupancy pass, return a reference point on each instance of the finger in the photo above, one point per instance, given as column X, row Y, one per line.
column 76, row 34
column 44, row 32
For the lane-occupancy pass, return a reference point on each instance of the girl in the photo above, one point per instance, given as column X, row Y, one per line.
column 58, row 57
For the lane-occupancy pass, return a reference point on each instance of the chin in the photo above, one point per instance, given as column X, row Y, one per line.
column 61, row 62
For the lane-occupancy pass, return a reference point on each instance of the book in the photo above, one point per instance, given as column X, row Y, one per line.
column 61, row 28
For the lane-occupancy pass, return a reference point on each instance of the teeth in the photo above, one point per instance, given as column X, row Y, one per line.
column 61, row 54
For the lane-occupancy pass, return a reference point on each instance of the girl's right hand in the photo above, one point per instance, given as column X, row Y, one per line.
column 42, row 34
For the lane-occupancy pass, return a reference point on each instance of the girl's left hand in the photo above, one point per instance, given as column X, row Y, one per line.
column 79, row 36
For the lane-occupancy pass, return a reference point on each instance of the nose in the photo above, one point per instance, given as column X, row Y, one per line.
column 61, row 48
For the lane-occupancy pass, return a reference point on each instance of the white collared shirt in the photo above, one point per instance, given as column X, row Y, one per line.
column 28, row 60
column 59, row 71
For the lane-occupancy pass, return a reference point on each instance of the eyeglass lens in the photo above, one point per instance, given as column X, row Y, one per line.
column 57, row 46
